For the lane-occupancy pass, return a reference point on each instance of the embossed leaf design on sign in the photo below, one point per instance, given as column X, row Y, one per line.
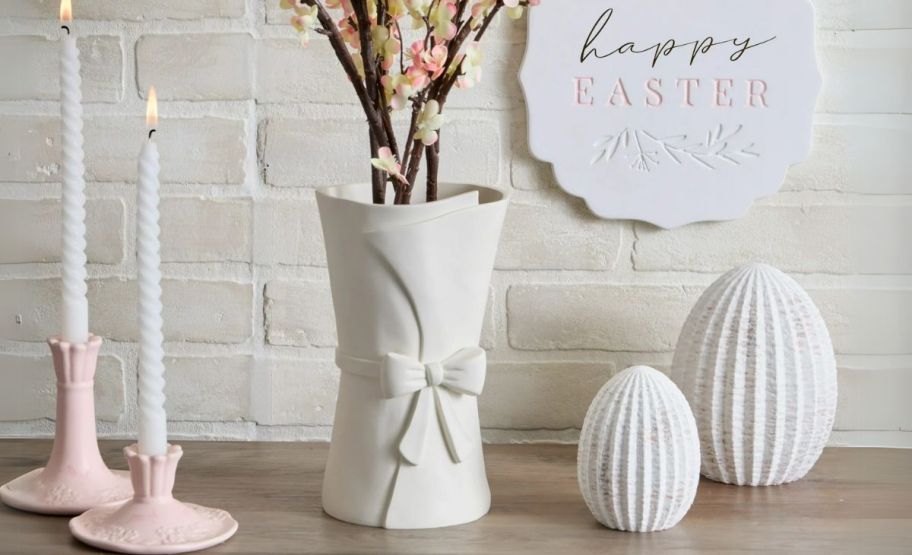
column 717, row 148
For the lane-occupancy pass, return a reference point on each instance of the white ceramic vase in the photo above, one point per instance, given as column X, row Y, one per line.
column 755, row 361
column 410, row 286
column 638, row 463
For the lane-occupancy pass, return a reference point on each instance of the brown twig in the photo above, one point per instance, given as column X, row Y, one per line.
column 378, row 180
column 367, row 51
column 374, row 121
column 488, row 20
column 412, row 174
column 460, row 11
column 341, row 51
column 372, row 97
column 401, row 47
column 433, row 168
column 441, row 92
column 417, row 104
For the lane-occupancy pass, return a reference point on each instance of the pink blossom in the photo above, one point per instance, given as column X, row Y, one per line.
column 470, row 67
column 441, row 18
column 434, row 62
column 387, row 162
column 349, row 34
column 429, row 122
column 400, row 88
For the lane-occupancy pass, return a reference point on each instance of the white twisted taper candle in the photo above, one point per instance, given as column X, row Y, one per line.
column 153, row 435
column 75, row 325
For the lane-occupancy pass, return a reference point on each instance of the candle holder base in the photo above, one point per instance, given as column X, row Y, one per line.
column 153, row 521
column 37, row 492
column 75, row 478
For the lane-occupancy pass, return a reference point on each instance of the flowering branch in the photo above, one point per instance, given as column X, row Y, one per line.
column 389, row 73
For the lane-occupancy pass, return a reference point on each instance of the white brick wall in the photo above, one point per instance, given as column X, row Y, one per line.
column 196, row 66
column 299, row 313
column 129, row 11
column 33, row 72
column 34, row 224
column 252, row 123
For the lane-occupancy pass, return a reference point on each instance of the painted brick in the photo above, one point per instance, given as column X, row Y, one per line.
column 817, row 239
column 867, row 321
column 193, row 150
column 196, row 66
column 299, row 392
column 299, row 313
column 317, row 76
column 30, row 309
column 526, row 172
column 36, row 66
column 277, row 16
column 502, row 29
column 110, row 393
column 28, row 388
column 598, row 317
column 194, row 311
column 564, row 235
column 857, row 154
column 292, row 144
column 29, row 148
column 288, row 141
column 288, row 232
column 208, row 388
column 499, row 87
column 559, row 317
column 874, row 399
column 866, row 71
column 470, row 151
column 489, row 327
column 872, row 14
column 32, row 231
column 129, row 10
column 516, row 394
column 198, row 230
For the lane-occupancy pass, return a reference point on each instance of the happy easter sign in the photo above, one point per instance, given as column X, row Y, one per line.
column 670, row 112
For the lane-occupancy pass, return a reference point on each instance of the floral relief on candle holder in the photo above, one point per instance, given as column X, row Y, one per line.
column 153, row 521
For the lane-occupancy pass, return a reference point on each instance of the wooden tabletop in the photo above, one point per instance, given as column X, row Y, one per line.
column 853, row 501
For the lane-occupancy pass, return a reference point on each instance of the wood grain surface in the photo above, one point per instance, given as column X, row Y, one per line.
column 853, row 501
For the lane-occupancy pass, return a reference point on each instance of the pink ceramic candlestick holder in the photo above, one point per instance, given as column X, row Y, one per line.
column 75, row 478
column 153, row 521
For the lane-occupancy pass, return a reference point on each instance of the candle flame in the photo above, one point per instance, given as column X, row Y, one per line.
column 152, row 109
column 66, row 11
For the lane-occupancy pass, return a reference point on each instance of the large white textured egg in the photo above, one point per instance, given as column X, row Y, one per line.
column 638, row 463
column 756, row 363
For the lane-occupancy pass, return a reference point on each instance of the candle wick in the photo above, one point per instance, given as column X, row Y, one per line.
column 65, row 28
column 150, row 132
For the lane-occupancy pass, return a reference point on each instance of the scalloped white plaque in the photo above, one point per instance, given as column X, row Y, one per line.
column 671, row 112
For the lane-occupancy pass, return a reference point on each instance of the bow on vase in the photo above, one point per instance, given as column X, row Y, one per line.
column 463, row 372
